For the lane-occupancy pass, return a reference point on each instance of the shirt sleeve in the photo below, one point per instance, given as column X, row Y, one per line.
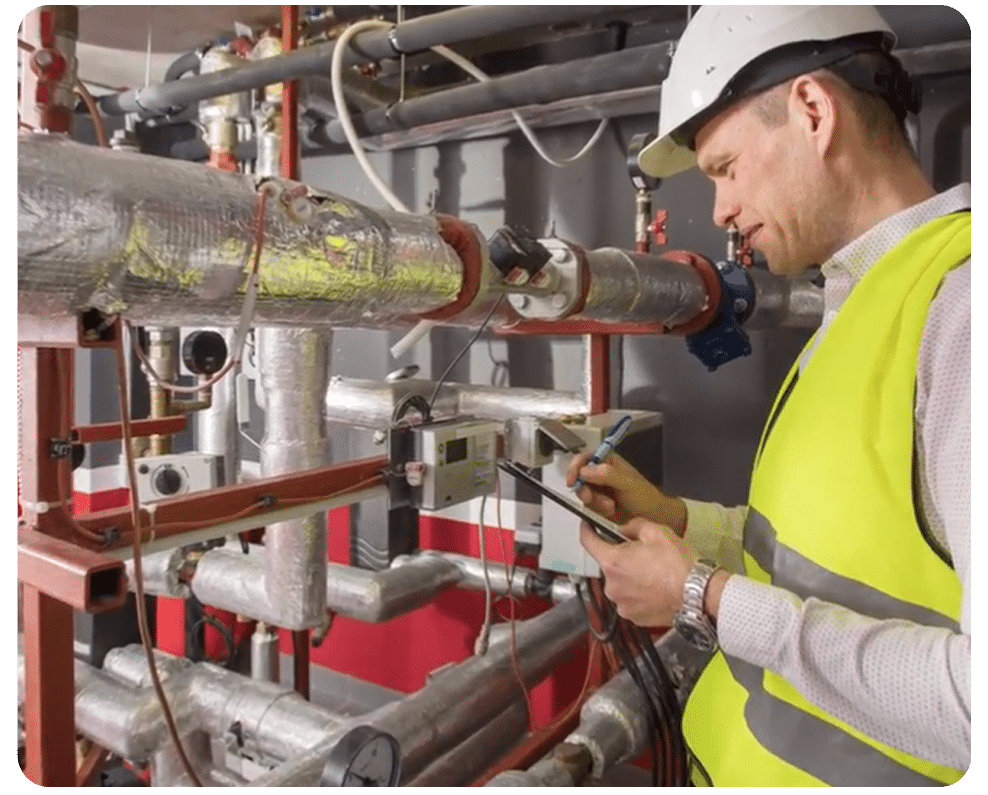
column 717, row 532
column 905, row 685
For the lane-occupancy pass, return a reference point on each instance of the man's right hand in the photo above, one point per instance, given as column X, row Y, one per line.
column 619, row 492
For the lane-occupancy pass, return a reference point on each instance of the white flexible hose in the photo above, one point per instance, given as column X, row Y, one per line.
column 423, row 327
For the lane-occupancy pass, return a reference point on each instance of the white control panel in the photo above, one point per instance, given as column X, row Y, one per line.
column 456, row 461
column 165, row 476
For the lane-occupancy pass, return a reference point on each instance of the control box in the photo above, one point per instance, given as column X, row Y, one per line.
column 164, row 476
column 454, row 462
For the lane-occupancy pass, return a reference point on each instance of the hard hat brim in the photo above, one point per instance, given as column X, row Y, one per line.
column 663, row 158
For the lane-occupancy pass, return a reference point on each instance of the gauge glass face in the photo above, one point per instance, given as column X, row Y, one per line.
column 373, row 766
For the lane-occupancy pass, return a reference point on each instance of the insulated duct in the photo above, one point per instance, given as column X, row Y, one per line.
column 163, row 242
column 371, row 404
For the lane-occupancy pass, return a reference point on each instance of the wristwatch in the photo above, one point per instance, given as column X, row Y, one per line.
column 691, row 621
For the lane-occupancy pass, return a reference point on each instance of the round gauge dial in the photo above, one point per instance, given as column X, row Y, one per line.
column 364, row 757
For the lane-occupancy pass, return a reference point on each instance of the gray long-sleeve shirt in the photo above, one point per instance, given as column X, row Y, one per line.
column 905, row 685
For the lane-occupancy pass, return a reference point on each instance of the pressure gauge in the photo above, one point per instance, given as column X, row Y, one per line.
column 364, row 757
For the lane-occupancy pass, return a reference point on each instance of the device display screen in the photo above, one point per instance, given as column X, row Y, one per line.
column 456, row 450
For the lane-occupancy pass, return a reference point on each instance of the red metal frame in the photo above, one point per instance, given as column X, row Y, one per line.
column 112, row 431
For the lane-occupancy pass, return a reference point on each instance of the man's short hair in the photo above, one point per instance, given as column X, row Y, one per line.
column 877, row 120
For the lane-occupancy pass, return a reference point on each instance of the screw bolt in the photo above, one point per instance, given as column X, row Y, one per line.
column 43, row 58
column 740, row 305
column 518, row 301
column 558, row 301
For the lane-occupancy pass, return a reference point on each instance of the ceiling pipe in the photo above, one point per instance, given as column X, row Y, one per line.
column 445, row 27
column 615, row 71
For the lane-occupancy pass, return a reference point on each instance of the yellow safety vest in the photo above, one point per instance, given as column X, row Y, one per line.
column 832, row 515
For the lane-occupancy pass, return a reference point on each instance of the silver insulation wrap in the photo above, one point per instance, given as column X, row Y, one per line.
column 371, row 404
column 627, row 287
column 294, row 368
column 162, row 241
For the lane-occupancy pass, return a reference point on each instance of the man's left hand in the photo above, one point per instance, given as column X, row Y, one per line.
column 644, row 577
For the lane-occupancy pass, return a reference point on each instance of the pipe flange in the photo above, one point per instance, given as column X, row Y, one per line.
column 566, row 274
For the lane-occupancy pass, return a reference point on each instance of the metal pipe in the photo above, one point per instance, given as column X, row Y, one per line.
column 457, row 702
column 216, row 426
column 275, row 723
column 615, row 71
column 463, row 764
column 446, row 27
column 628, row 287
column 794, row 302
column 294, row 370
column 265, row 660
column 371, row 404
column 548, row 772
column 163, row 242
column 163, row 358
column 379, row 596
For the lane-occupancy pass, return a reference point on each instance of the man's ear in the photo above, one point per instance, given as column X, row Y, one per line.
column 814, row 107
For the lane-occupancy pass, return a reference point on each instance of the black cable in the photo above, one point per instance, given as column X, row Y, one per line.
column 462, row 353
column 608, row 634
column 195, row 650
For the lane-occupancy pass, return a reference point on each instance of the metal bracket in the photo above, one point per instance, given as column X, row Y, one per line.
column 59, row 448
column 566, row 273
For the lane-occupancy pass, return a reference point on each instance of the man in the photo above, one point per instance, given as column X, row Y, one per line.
column 840, row 596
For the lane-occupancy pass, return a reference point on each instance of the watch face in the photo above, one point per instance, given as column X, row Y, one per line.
column 694, row 633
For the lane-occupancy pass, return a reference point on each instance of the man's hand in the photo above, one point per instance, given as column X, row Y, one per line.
column 645, row 577
column 618, row 491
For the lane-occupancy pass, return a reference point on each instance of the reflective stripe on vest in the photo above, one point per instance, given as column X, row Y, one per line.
column 831, row 506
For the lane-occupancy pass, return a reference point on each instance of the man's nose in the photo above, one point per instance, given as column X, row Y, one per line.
column 725, row 210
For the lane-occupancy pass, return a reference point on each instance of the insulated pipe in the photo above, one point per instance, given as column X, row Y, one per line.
column 216, row 426
column 794, row 302
column 628, row 287
column 294, row 370
column 275, row 723
column 371, row 404
column 455, row 703
column 164, row 242
column 615, row 71
column 473, row 756
column 446, row 27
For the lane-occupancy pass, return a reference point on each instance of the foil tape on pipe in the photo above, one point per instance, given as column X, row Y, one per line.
column 628, row 287
column 164, row 242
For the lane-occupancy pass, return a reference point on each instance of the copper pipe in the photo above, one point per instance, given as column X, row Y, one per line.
column 290, row 170
column 289, row 98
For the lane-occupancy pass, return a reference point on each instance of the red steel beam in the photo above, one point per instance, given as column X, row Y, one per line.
column 91, row 765
column 49, row 690
column 173, row 517
column 80, row 578
column 111, row 431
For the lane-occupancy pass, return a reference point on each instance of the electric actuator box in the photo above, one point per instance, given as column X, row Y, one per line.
column 454, row 462
column 164, row 476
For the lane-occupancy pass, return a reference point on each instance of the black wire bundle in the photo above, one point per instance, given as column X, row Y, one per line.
column 195, row 637
column 639, row 658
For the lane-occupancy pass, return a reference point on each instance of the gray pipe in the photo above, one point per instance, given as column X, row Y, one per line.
column 371, row 404
column 461, row 766
column 163, row 242
column 457, row 702
column 615, row 71
column 785, row 302
column 446, row 27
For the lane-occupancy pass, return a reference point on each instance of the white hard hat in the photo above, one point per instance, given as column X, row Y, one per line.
column 721, row 41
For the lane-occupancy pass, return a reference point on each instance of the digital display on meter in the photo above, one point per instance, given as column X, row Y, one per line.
column 456, row 450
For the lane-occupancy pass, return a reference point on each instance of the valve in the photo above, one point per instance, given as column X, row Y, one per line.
column 658, row 227
column 724, row 340
column 204, row 352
